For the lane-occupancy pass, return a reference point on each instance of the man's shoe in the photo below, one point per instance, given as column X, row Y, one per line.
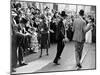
column 59, row 57
column 13, row 70
column 40, row 56
column 47, row 54
column 79, row 66
column 22, row 64
column 57, row 63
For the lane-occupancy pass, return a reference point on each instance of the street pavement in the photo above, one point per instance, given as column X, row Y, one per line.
column 67, row 61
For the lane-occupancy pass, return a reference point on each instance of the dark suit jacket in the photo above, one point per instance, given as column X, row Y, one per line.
column 60, row 31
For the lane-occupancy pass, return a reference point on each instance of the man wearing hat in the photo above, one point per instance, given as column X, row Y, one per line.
column 60, row 39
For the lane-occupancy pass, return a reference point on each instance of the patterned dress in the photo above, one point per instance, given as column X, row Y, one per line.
column 34, row 42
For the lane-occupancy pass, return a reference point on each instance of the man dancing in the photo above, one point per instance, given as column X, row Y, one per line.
column 80, row 28
column 60, row 40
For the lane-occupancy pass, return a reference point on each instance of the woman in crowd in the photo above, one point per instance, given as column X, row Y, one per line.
column 44, row 34
column 53, row 27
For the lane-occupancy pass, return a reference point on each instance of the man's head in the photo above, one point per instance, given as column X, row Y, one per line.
column 81, row 13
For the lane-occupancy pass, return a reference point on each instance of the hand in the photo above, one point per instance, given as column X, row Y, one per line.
column 91, row 24
column 65, row 40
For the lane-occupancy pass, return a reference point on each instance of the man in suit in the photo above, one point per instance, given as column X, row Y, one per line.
column 60, row 40
column 80, row 28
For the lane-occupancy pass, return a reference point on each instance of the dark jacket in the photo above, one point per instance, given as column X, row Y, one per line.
column 60, row 31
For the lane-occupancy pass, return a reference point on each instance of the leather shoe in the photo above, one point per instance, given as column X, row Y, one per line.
column 79, row 66
column 59, row 57
column 56, row 63
column 22, row 64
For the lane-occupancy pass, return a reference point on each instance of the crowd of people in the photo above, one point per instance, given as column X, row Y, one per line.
column 33, row 30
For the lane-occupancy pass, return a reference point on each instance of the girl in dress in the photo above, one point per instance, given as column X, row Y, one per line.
column 88, row 35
